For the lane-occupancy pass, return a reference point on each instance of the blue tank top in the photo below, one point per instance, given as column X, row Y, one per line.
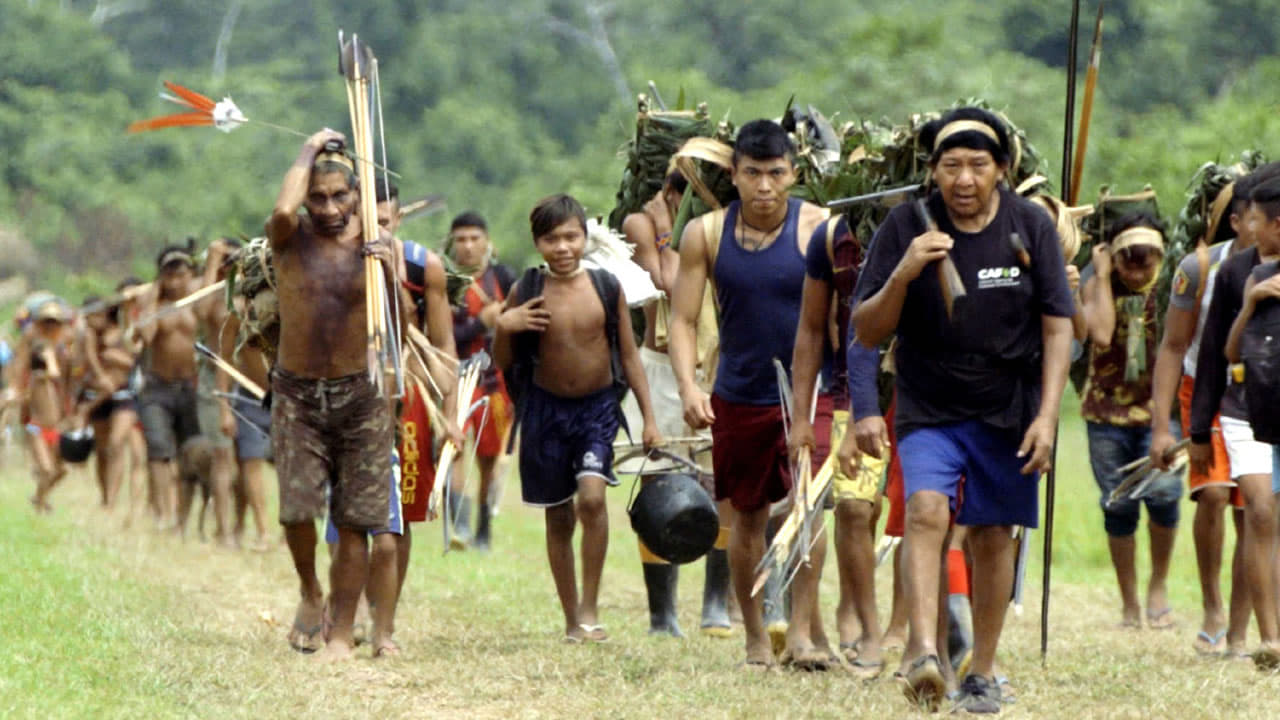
column 759, row 295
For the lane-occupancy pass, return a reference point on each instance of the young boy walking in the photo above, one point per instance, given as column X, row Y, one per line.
column 565, row 345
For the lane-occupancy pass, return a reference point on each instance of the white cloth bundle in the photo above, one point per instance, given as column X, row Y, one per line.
column 608, row 250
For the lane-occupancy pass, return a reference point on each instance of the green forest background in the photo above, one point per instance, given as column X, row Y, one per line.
column 496, row 104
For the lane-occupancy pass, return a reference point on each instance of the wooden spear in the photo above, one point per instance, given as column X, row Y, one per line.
column 1049, row 489
column 1086, row 109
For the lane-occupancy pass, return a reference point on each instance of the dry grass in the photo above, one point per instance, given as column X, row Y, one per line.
column 103, row 623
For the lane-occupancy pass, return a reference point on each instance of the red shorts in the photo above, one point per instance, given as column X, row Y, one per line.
column 749, row 454
column 895, row 525
column 822, row 430
column 490, row 438
column 1220, row 474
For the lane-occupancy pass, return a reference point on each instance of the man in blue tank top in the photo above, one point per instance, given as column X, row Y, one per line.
column 757, row 269
column 979, row 380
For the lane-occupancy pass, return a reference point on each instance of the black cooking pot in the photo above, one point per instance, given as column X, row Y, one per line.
column 675, row 517
column 75, row 445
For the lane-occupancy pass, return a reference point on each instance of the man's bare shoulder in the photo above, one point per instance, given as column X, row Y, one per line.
column 812, row 215
column 637, row 227
column 301, row 233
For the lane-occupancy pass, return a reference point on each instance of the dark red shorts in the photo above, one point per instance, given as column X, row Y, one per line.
column 749, row 454
column 822, row 430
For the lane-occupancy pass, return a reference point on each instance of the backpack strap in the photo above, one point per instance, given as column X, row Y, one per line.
column 832, row 224
column 712, row 230
column 1202, row 260
column 609, row 289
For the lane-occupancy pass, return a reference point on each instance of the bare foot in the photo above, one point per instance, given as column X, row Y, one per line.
column 760, row 652
column 335, row 651
column 1130, row 618
column 385, row 648
column 869, row 649
column 307, row 634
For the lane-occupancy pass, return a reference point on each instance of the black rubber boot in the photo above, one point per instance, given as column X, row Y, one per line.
column 774, row 604
column 715, row 595
column 483, row 517
column 460, row 512
column 959, row 630
column 660, row 582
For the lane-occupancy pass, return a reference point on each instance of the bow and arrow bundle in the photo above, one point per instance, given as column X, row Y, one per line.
column 359, row 68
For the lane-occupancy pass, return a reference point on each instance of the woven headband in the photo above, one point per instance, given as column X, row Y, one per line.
column 959, row 126
column 176, row 256
column 337, row 158
column 1136, row 236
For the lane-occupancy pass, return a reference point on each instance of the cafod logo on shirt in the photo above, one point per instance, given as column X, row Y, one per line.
column 998, row 277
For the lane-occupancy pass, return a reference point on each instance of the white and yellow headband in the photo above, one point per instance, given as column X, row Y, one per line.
column 1136, row 236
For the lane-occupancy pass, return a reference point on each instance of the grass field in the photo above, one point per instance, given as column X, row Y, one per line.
column 97, row 622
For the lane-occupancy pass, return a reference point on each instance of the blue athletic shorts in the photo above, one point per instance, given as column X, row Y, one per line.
column 564, row 439
column 395, row 521
column 1111, row 447
column 996, row 492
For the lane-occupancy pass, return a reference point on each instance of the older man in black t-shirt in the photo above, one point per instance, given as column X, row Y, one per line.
column 978, row 386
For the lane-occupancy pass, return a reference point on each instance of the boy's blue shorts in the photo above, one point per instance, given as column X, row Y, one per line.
column 564, row 439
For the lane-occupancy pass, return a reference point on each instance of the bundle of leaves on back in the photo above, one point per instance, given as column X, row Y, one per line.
column 1199, row 217
column 251, row 278
column 659, row 134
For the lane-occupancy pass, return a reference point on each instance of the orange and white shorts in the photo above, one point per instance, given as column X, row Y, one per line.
column 1219, row 474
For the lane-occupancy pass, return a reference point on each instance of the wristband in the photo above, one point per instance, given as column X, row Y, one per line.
column 663, row 241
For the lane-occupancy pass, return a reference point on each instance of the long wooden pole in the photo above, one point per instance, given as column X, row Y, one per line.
column 1086, row 109
column 1050, row 488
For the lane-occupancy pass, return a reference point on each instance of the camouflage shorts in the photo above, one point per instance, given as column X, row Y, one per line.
column 337, row 434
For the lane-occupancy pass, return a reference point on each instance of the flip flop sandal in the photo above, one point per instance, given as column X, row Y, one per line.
column 301, row 637
column 386, row 650
column 865, row 670
column 812, row 661
column 1161, row 619
column 1207, row 645
column 849, row 651
column 594, row 633
column 757, row 666
column 926, row 685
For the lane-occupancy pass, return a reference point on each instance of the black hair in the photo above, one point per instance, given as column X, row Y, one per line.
column 231, row 241
column 676, row 181
column 1243, row 189
column 1266, row 195
column 189, row 249
column 386, row 190
column 553, row 211
column 762, row 140
column 470, row 218
column 90, row 299
column 128, row 282
column 971, row 139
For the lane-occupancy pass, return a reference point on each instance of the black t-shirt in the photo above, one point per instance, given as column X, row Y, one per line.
column 985, row 362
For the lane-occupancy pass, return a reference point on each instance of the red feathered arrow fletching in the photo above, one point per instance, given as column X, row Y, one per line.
column 190, row 119
column 192, row 98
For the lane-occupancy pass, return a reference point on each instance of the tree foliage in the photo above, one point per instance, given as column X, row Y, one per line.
column 496, row 104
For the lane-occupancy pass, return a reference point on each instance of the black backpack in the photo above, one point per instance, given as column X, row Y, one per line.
column 524, row 346
column 1260, row 351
